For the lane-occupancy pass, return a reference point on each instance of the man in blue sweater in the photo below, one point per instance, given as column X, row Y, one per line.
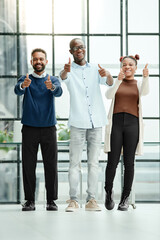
column 39, row 120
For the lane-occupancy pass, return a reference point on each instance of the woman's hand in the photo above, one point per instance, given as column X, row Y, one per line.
column 145, row 71
column 121, row 75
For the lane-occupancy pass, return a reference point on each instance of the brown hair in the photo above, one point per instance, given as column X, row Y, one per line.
column 135, row 58
column 39, row 50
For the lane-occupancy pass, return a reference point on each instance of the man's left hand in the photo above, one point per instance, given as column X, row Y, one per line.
column 48, row 83
column 103, row 72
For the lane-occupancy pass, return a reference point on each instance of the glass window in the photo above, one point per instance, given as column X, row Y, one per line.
column 151, row 130
column 8, row 99
column 8, row 16
column 8, row 55
column 147, row 181
column 35, row 16
column 104, row 16
column 70, row 16
column 102, row 52
column 143, row 16
column 152, row 99
column 148, row 52
column 8, row 182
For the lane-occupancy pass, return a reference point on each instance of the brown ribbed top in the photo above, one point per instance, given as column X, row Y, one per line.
column 127, row 98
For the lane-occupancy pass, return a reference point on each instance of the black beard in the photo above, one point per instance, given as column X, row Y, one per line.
column 39, row 70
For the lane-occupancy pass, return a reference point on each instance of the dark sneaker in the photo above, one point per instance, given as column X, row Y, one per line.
column 28, row 206
column 51, row 206
column 124, row 204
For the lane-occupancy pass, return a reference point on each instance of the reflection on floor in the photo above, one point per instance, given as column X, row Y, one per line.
column 139, row 224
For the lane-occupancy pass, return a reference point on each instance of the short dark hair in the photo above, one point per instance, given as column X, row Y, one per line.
column 73, row 40
column 39, row 50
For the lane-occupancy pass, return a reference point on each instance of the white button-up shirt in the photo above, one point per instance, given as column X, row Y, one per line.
column 86, row 104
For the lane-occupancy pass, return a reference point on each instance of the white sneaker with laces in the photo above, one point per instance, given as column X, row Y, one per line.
column 92, row 205
column 72, row 207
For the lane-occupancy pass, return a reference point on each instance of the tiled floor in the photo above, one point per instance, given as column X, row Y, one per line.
column 143, row 223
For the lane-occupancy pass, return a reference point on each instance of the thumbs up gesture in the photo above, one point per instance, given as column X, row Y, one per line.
column 67, row 66
column 145, row 71
column 103, row 72
column 26, row 82
column 48, row 83
column 121, row 75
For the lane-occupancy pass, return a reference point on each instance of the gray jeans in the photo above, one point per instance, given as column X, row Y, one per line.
column 93, row 138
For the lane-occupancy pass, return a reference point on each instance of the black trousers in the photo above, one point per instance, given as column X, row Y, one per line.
column 125, row 133
column 31, row 138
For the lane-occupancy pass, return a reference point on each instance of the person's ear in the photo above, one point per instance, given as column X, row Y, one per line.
column 70, row 51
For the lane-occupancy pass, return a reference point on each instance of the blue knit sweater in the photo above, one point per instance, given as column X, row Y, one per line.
column 38, row 101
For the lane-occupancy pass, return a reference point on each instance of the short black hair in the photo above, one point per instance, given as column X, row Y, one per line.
column 74, row 39
column 39, row 50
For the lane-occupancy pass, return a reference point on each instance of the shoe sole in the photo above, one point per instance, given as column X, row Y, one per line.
column 71, row 210
column 122, row 209
column 28, row 210
column 48, row 209
column 93, row 210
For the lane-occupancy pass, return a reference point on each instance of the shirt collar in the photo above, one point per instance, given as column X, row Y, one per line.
column 39, row 76
column 75, row 65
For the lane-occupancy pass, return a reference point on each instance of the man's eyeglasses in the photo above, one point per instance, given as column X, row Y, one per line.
column 81, row 47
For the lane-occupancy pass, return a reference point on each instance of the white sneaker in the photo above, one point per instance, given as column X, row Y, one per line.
column 72, row 207
column 92, row 205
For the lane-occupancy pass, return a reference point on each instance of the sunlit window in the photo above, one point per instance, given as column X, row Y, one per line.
column 109, row 29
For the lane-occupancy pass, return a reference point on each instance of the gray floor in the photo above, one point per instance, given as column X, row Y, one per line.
column 143, row 223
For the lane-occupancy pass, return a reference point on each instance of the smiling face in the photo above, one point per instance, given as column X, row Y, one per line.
column 129, row 67
column 39, row 62
column 77, row 49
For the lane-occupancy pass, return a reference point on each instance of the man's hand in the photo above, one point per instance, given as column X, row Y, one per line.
column 121, row 75
column 26, row 82
column 48, row 83
column 104, row 73
column 146, row 71
column 67, row 68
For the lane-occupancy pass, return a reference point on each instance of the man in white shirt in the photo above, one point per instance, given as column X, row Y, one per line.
column 86, row 119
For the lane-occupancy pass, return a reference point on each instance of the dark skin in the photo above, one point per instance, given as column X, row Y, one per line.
column 79, row 58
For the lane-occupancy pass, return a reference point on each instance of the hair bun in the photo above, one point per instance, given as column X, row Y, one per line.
column 137, row 57
column 121, row 58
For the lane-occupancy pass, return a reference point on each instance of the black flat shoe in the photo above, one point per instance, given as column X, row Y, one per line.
column 28, row 206
column 109, row 203
column 51, row 206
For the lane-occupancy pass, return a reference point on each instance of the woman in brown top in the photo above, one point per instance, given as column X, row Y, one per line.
column 124, row 128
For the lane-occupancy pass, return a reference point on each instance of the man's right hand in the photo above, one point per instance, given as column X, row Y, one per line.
column 26, row 82
column 67, row 68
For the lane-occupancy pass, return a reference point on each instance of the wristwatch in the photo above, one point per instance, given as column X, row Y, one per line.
column 53, row 87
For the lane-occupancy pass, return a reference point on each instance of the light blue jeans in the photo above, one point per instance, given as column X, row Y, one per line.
column 78, row 138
